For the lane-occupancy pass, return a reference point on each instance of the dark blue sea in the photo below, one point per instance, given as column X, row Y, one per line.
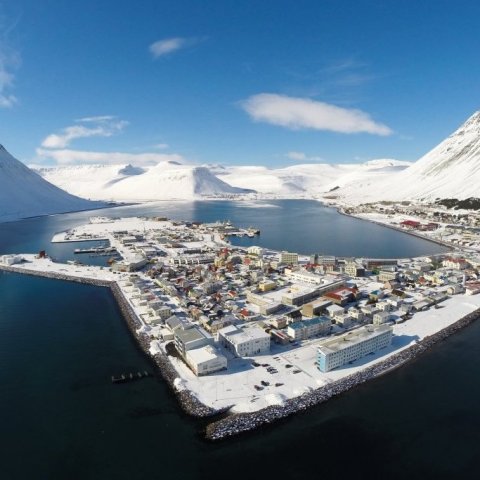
column 61, row 418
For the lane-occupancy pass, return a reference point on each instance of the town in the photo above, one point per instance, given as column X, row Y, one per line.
column 249, row 327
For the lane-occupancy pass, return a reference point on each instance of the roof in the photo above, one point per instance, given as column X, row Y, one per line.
column 352, row 338
column 190, row 335
column 238, row 335
column 203, row 354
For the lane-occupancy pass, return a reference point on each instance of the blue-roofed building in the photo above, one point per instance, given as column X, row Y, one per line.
column 309, row 328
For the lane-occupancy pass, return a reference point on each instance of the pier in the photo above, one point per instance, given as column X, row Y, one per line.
column 130, row 377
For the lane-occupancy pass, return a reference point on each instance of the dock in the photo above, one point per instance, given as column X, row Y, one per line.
column 130, row 377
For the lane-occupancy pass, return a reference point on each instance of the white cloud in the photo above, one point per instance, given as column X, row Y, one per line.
column 97, row 119
column 103, row 126
column 166, row 46
column 302, row 157
column 161, row 146
column 73, row 157
column 303, row 113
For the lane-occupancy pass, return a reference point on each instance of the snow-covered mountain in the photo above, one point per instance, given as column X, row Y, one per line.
column 450, row 170
column 308, row 179
column 164, row 181
column 23, row 193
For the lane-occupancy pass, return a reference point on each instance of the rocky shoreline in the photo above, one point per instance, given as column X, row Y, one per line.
column 341, row 211
column 244, row 422
column 189, row 403
column 234, row 424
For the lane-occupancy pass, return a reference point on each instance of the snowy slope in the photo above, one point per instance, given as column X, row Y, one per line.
column 450, row 170
column 23, row 193
column 309, row 179
column 164, row 181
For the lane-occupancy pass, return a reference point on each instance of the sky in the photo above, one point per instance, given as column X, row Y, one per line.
column 234, row 82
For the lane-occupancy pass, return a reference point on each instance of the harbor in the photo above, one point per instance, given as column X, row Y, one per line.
column 285, row 377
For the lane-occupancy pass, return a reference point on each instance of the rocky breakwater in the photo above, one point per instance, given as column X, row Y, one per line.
column 243, row 422
column 56, row 275
column 189, row 403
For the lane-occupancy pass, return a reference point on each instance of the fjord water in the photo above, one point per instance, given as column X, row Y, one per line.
column 61, row 418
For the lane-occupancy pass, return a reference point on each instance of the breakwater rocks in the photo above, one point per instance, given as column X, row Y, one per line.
column 243, row 422
column 189, row 403
column 56, row 276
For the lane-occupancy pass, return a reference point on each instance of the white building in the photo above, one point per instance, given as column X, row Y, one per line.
column 353, row 345
column 381, row 317
column 205, row 360
column 254, row 250
column 303, row 276
column 244, row 342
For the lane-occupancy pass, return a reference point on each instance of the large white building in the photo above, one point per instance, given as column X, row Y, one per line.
column 304, row 276
column 244, row 342
column 353, row 345
column 205, row 360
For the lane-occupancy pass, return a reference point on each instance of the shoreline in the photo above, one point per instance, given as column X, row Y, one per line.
column 238, row 423
column 244, row 422
column 341, row 211
column 188, row 402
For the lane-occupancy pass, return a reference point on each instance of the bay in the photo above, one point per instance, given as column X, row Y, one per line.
column 61, row 418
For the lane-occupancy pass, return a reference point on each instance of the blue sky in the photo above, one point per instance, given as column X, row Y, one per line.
column 265, row 82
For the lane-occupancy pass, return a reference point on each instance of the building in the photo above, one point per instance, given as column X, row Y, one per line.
column 289, row 258
column 205, row 360
column 455, row 263
column 378, row 263
column 186, row 340
column 353, row 345
column 130, row 265
column 244, row 342
column 298, row 296
column 266, row 305
column 381, row 317
column 315, row 308
column 254, row 250
column 267, row 285
column 303, row 276
column 342, row 296
column 309, row 328
column 353, row 269
column 386, row 275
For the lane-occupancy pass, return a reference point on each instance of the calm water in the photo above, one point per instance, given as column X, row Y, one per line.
column 61, row 418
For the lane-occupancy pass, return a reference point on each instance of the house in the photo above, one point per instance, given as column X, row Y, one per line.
column 381, row 317
column 205, row 360
column 244, row 342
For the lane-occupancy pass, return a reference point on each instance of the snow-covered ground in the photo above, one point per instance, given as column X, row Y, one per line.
column 236, row 385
